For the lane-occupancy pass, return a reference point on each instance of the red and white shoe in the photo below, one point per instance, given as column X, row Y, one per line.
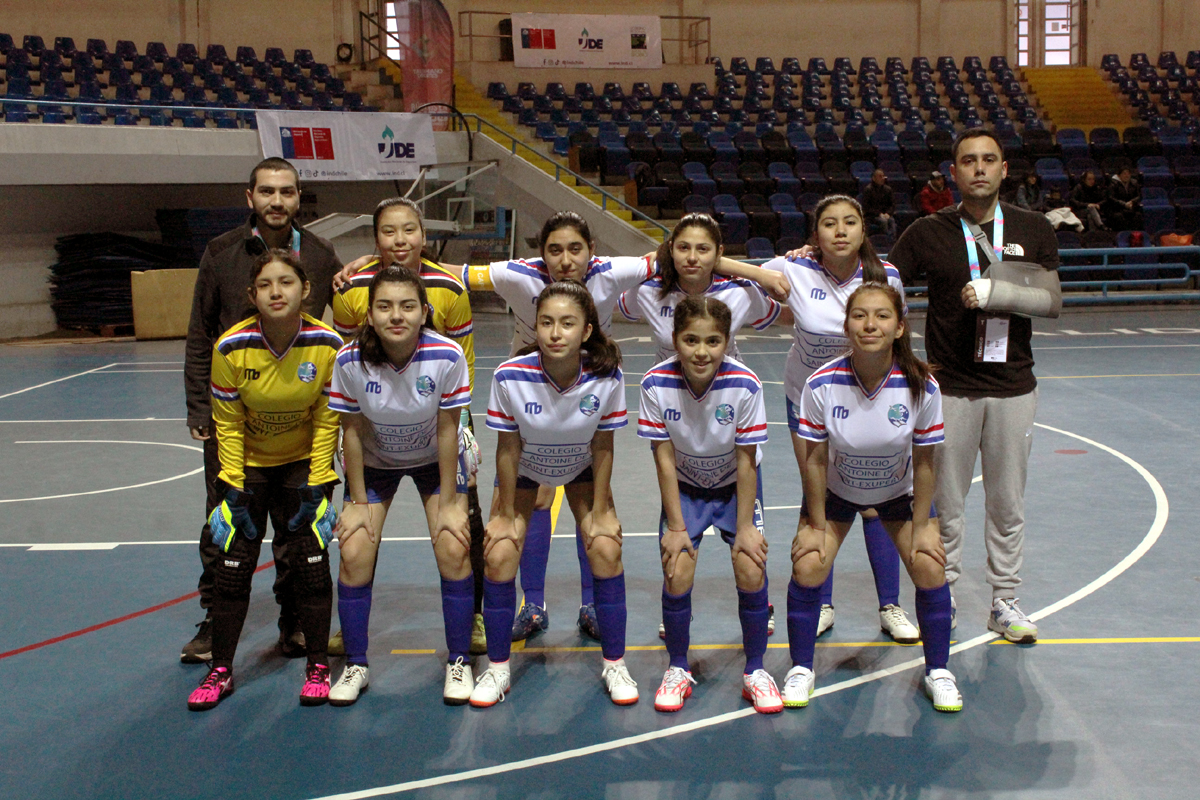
column 676, row 687
column 215, row 687
column 759, row 688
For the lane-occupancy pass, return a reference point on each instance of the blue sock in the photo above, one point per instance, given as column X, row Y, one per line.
column 752, row 611
column 610, row 614
column 933, row 615
column 354, row 613
column 458, row 613
column 677, row 620
column 885, row 561
column 586, row 594
column 803, row 614
column 499, row 611
column 827, row 589
column 535, row 556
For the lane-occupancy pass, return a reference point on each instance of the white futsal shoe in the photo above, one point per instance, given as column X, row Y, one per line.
column 895, row 623
column 798, row 686
column 460, row 682
column 943, row 691
column 491, row 687
column 620, row 684
column 826, row 620
column 354, row 681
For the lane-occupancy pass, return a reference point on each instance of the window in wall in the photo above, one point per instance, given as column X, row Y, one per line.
column 396, row 20
column 1059, row 26
column 1022, row 32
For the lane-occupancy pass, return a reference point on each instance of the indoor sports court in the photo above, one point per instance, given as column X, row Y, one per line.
column 104, row 500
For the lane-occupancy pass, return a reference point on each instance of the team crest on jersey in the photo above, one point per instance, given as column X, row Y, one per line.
column 425, row 386
column 724, row 414
column 898, row 415
column 307, row 372
column 589, row 405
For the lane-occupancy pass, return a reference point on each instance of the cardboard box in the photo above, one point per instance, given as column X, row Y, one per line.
column 162, row 302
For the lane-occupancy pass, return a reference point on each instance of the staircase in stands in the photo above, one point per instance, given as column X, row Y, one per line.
column 1078, row 97
column 378, row 82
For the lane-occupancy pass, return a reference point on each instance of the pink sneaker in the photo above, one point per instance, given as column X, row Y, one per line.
column 316, row 685
column 215, row 687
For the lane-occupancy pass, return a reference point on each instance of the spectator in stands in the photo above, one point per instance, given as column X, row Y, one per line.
column 220, row 301
column 1086, row 199
column 879, row 204
column 988, row 404
column 1030, row 195
column 1122, row 210
column 934, row 195
column 1058, row 211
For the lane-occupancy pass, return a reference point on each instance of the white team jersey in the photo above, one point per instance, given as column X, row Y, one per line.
column 870, row 436
column 556, row 425
column 704, row 430
column 520, row 282
column 818, row 305
column 402, row 404
column 747, row 301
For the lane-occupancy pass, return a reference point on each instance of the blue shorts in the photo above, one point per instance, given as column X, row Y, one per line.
column 898, row 509
column 715, row 507
column 583, row 477
column 793, row 416
column 382, row 483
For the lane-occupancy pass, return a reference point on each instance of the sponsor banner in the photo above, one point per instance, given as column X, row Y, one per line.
column 428, row 61
column 591, row 41
column 344, row 146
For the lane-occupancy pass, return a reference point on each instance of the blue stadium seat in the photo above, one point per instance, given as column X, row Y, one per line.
column 735, row 224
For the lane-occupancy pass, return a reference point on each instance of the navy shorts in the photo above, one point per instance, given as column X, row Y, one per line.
column 898, row 509
column 382, row 483
column 583, row 477
column 713, row 507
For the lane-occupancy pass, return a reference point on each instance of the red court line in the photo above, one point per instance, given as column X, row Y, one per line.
column 111, row 622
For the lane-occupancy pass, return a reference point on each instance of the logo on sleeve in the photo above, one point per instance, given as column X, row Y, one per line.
column 425, row 386
column 307, row 372
column 724, row 414
column 898, row 415
column 589, row 405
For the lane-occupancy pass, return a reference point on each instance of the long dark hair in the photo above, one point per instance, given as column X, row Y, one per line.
column 872, row 266
column 916, row 371
column 702, row 307
column 600, row 353
column 369, row 344
column 564, row 219
column 665, row 257
column 397, row 202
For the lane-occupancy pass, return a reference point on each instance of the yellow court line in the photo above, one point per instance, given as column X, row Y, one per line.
column 1146, row 375
column 1129, row 640
column 555, row 507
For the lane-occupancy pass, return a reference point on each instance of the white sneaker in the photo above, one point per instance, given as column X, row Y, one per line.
column 826, row 620
column 620, row 685
column 895, row 623
column 354, row 681
column 943, row 691
column 771, row 619
column 676, row 687
column 491, row 687
column 798, row 686
column 953, row 613
column 1008, row 619
column 456, row 691
column 759, row 688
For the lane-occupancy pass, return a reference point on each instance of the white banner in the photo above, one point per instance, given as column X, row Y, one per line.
column 592, row 41
column 345, row 146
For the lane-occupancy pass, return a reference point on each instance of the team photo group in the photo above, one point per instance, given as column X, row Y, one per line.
column 284, row 403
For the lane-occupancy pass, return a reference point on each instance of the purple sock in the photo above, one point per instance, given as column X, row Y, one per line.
column 535, row 556
column 885, row 561
column 586, row 593
column 933, row 616
column 677, row 619
column 827, row 589
column 610, row 614
column 499, row 611
column 458, row 613
column 752, row 611
column 803, row 614
column 354, row 613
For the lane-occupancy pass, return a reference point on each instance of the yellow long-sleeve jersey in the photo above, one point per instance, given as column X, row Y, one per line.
column 271, row 409
column 449, row 301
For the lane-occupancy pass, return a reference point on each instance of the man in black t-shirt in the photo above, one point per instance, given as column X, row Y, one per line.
column 989, row 398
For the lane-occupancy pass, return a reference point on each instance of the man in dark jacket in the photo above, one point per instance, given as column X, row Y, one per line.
column 1087, row 198
column 220, row 301
column 1122, row 210
column 879, row 204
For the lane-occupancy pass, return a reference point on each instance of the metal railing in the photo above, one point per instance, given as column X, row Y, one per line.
column 371, row 35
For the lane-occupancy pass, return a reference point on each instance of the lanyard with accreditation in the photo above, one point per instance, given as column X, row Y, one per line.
column 991, row 330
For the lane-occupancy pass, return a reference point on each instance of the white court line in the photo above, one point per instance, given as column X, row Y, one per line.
column 1156, row 529
column 115, row 488
column 131, row 371
column 56, row 380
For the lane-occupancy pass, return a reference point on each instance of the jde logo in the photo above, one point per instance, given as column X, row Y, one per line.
column 373, row 387
column 671, row 414
column 817, row 294
column 588, row 43
column 390, row 148
column 533, row 408
column 840, row 412
column 252, row 375
column 425, row 386
column 666, row 311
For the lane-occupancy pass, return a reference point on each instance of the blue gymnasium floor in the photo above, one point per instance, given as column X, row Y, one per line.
column 103, row 501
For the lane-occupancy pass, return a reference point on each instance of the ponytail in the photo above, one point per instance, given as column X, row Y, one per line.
column 916, row 372
column 600, row 354
column 665, row 255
